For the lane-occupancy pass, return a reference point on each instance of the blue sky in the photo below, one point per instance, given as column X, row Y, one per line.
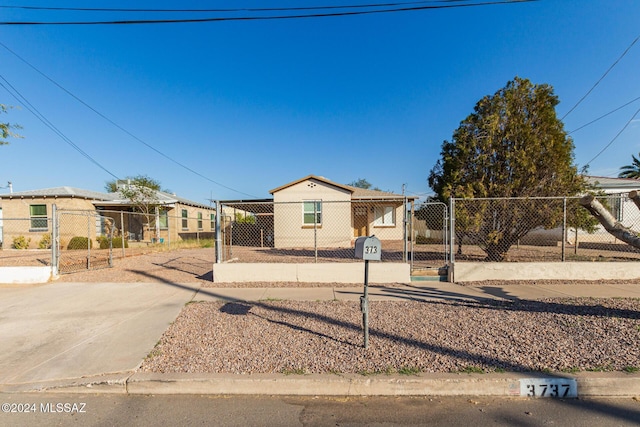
column 252, row 105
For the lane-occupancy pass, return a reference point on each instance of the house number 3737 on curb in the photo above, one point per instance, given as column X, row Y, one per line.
column 549, row 387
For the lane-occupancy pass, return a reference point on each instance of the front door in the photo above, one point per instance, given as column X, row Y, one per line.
column 360, row 221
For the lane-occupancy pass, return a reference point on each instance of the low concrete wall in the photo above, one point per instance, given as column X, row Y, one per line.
column 476, row 271
column 25, row 274
column 305, row 273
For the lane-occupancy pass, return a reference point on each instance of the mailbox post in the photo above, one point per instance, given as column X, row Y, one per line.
column 367, row 248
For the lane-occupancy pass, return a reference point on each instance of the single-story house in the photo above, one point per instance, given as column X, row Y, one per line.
column 616, row 191
column 27, row 214
column 316, row 212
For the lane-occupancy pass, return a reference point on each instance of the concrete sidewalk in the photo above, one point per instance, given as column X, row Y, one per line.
column 88, row 337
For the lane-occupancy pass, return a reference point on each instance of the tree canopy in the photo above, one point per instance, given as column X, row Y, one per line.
column 138, row 181
column 363, row 183
column 6, row 129
column 632, row 170
column 512, row 145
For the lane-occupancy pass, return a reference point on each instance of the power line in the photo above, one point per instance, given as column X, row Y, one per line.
column 601, row 78
column 21, row 99
column 603, row 116
column 615, row 137
column 120, row 127
column 217, row 10
column 263, row 18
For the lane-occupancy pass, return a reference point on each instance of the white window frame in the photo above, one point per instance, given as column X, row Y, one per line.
column 185, row 219
column 316, row 208
column 36, row 219
column 384, row 216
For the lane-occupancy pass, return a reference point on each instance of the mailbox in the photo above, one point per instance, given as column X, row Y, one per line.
column 368, row 248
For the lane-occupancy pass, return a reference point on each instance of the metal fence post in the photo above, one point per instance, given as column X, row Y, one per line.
column 315, row 229
column 55, row 240
column 452, row 232
column 218, row 237
column 122, row 235
column 564, row 227
column 404, row 227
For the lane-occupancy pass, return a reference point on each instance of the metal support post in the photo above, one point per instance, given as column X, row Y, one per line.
column 218, row 236
column 364, row 304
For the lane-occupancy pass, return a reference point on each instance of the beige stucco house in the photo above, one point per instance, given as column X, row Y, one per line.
column 316, row 212
column 28, row 214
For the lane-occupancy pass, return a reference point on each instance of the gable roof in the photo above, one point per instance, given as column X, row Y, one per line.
column 315, row 178
column 356, row 192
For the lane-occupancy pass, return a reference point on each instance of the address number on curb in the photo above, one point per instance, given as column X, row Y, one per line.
column 549, row 387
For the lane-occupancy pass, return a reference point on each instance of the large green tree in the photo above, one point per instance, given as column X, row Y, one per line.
column 632, row 170
column 141, row 192
column 512, row 145
column 6, row 129
column 139, row 180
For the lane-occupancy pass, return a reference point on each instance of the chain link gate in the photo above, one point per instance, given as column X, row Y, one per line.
column 429, row 236
column 83, row 241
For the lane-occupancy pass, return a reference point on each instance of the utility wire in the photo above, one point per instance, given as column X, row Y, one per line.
column 603, row 116
column 259, row 9
column 615, row 137
column 120, row 127
column 25, row 102
column 263, row 18
column 601, row 78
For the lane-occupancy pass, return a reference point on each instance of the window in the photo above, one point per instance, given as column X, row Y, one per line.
column 615, row 205
column 163, row 219
column 312, row 212
column 185, row 220
column 199, row 220
column 38, row 214
column 384, row 216
column 213, row 222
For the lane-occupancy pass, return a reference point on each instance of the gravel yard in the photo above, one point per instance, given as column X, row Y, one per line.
column 409, row 337
column 326, row 337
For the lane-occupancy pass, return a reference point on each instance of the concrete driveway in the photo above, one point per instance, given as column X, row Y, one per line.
column 70, row 330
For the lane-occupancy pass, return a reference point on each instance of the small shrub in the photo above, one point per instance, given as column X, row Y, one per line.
column 471, row 370
column 21, row 242
column 409, row 370
column 79, row 242
column 45, row 241
column 116, row 242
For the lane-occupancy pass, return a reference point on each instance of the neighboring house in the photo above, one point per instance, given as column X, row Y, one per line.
column 27, row 214
column 616, row 198
column 316, row 212
column 620, row 206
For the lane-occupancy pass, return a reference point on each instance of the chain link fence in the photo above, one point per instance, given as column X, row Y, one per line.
column 425, row 235
column 325, row 231
column 540, row 229
column 429, row 235
column 82, row 240
column 74, row 240
column 25, row 242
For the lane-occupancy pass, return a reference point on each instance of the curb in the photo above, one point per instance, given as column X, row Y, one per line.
column 588, row 384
